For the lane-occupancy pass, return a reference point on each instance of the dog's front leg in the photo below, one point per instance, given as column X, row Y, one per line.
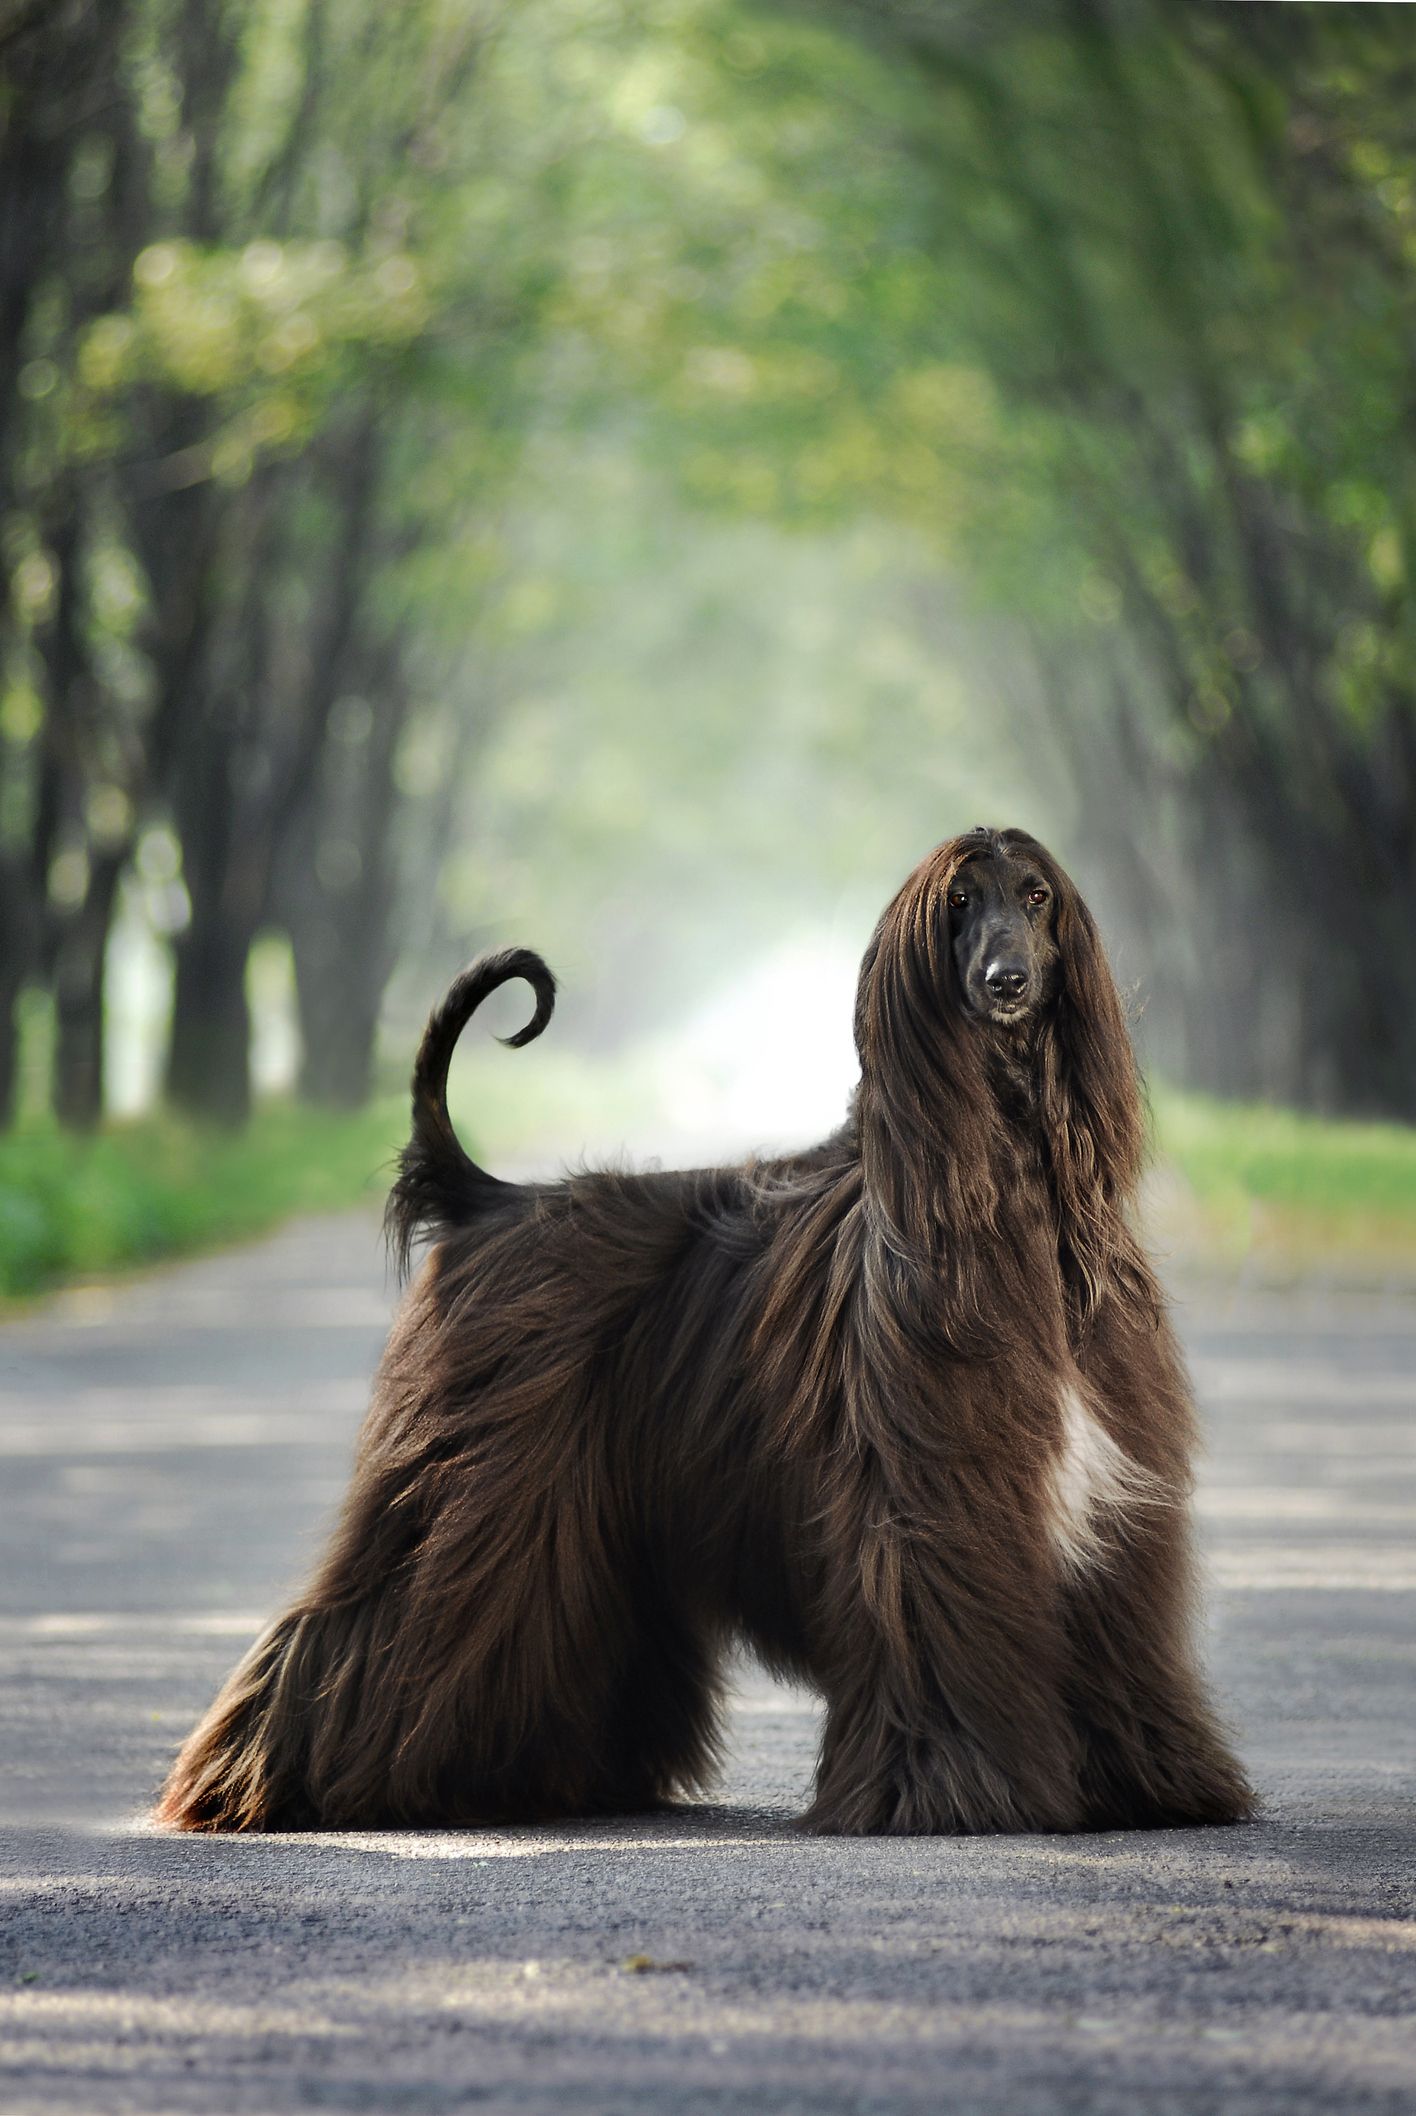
column 1155, row 1755
column 944, row 1689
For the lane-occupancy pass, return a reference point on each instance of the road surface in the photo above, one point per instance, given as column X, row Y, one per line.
column 168, row 1451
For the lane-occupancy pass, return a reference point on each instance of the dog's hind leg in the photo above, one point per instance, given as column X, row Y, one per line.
column 245, row 1765
column 454, row 1658
column 662, row 1735
column 479, row 1646
column 546, row 1700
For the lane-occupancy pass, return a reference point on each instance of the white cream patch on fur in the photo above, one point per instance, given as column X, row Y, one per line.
column 1093, row 1484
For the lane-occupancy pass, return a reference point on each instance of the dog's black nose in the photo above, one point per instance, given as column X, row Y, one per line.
column 1004, row 982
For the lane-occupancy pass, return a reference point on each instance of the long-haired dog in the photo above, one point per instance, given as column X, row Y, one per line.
column 902, row 1414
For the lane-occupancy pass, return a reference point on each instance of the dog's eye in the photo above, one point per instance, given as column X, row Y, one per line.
column 1037, row 896
column 957, row 900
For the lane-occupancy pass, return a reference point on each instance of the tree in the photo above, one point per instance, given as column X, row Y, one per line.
column 267, row 290
column 54, row 63
column 358, row 335
column 1116, row 301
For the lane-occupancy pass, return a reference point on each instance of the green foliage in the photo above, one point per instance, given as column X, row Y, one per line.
column 1112, row 303
column 270, row 333
column 73, row 1207
column 689, row 457
column 733, row 734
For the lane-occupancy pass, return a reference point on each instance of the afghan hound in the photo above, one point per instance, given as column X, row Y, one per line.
column 902, row 1415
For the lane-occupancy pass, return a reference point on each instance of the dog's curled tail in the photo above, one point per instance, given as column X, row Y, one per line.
column 439, row 1186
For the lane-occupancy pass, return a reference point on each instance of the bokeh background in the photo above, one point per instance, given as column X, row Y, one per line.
column 627, row 479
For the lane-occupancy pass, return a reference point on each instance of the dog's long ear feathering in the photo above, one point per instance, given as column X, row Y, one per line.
column 922, row 1108
column 1093, row 1116
column 439, row 1186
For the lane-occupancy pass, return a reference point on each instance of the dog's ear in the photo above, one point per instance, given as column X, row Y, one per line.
column 922, row 1108
column 1097, row 1069
column 1094, row 1116
column 907, row 999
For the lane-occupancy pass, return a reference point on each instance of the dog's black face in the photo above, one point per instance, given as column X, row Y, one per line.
column 1002, row 936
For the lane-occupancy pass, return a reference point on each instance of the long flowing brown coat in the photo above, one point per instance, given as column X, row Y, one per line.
column 903, row 1415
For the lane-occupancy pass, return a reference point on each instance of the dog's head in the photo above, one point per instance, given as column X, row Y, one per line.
column 988, row 933
column 1000, row 904
column 989, row 945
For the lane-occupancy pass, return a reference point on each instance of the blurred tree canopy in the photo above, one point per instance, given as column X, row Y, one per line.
column 264, row 309
column 451, row 453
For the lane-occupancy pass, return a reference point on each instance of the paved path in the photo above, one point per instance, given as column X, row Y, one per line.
column 167, row 1453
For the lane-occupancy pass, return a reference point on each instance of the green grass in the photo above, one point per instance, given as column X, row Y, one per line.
column 80, row 1207
column 1233, row 1181
column 1258, row 1178
column 84, row 1207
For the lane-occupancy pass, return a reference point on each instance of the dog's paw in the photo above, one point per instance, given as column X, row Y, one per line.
column 945, row 1794
column 903, row 1813
column 1177, row 1791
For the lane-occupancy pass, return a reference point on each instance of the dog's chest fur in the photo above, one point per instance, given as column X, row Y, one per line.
column 1092, row 1485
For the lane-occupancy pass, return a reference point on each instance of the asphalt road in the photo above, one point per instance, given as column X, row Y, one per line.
column 168, row 1450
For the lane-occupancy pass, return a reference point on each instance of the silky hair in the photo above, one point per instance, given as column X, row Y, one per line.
column 901, row 1414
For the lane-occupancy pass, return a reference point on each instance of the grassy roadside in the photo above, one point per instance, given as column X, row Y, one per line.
column 1240, row 1182
column 78, row 1208
column 1233, row 1184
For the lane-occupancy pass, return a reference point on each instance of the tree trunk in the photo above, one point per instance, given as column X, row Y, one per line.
column 339, row 922
column 11, row 986
column 209, row 1056
column 338, row 1022
column 9, row 1052
column 80, row 968
column 248, row 745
